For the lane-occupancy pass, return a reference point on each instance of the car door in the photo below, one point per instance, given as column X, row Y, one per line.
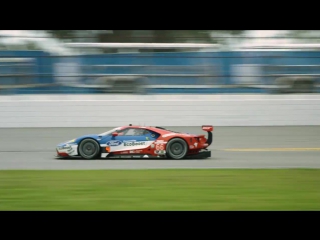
column 132, row 139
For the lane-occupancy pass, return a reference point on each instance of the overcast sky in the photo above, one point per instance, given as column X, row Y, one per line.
column 41, row 38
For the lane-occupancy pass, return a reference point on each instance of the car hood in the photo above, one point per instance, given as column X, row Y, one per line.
column 77, row 140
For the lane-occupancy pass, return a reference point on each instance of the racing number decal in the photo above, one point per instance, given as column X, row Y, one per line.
column 159, row 146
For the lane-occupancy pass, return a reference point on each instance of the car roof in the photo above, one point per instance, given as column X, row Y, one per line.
column 155, row 128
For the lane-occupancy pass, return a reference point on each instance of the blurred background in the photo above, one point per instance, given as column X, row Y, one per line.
column 159, row 61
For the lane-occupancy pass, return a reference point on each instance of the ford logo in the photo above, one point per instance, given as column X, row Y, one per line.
column 114, row 143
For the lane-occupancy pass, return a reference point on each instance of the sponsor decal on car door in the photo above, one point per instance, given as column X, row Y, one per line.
column 117, row 145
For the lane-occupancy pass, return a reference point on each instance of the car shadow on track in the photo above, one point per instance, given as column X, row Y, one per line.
column 131, row 159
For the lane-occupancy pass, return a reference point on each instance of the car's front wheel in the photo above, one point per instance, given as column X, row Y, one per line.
column 177, row 148
column 89, row 149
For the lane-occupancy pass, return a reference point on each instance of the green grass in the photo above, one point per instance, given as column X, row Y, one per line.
column 292, row 189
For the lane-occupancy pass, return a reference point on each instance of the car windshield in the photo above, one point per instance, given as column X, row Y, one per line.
column 109, row 132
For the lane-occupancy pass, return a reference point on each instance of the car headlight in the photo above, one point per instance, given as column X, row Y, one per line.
column 65, row 146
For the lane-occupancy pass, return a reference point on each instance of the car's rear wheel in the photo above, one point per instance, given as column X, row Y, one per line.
column 177, row 148
column 89, row 149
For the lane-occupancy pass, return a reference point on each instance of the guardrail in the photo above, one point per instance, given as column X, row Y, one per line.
column 158, row 110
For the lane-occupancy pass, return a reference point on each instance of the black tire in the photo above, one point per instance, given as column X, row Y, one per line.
column 89, row 149
column 177, row 148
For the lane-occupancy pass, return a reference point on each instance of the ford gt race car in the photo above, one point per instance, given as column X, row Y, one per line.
column 138, row 142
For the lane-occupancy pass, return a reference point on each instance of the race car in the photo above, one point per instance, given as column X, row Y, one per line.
column 138, row 142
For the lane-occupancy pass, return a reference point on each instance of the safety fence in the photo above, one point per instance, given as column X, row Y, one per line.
column 34, row 72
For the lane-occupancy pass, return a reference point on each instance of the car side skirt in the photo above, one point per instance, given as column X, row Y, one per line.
column 199, row 155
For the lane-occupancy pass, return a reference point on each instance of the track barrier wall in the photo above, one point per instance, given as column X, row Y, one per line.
column 158, row 110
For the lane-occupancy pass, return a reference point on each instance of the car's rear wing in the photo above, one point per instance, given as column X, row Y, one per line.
column 209, row 129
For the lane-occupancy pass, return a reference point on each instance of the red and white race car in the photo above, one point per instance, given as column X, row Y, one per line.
column 139, row 142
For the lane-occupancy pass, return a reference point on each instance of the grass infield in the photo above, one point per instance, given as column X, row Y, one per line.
column 209, row 189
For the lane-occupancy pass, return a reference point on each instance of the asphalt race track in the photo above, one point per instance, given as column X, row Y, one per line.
column 233, row 147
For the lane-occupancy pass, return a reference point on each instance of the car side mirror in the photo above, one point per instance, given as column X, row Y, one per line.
column 115, row 134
